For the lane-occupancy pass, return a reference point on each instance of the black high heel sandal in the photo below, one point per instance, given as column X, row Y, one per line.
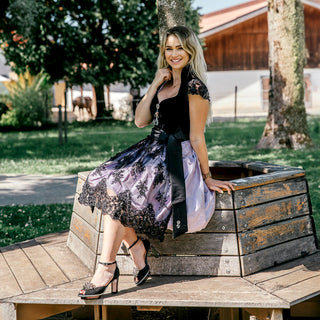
column 90, row 291
column 140, row 276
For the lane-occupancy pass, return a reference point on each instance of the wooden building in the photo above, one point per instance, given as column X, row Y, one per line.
column 236, row 42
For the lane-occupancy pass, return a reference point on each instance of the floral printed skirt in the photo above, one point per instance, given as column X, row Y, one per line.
column 134, row 188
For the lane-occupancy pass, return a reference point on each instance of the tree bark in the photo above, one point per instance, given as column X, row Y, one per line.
column 101, row 105
column 286, row 125
column 170, row 13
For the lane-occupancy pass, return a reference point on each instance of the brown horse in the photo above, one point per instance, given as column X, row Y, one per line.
column 83, row 103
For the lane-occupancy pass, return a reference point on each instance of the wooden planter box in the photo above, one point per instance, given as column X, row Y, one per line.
column 266, row 221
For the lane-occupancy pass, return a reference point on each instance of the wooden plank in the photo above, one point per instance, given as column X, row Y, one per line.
column 82, row 176
column 125, row 264
column 252, row 217
column 289, row 279
column 189, row 265
column 272, row 256
column 224, row 201
column 261, row 190
column 221, row 221
column 195, row 265
column 43, row 263
column 269, row 192
column 93, row 218
column 40, row 311
column 311, row 262
column 266, row 167
column 85, row 232
column 23, row 270
column 197, row 244
column 300, row 291
column 53, row 238
column 67, row 261
column 185, row 266
column 189, row 244
column 265, row 179
column 267, row 236
column 9, row 285
column 79, row 248
column 184, row 291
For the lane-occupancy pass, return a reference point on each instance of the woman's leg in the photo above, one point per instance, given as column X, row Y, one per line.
column 112, row 237
column 114, row 233
column 138, row 251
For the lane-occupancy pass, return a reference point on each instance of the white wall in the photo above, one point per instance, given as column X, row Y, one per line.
column 315, row 88
column 221, row 85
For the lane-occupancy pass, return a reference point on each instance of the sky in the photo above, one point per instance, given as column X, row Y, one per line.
column 214, row 5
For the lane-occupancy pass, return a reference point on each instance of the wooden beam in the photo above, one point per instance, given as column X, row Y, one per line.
column 8, row 311
column 104, row 313
column 96, row 312
column 306, row 309
column 40, row 311
column 149, row 308
column 276, row 314
column 228, row 314
column 110, row 312
column 264, row 314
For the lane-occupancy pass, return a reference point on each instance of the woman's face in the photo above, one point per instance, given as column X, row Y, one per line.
column 175, row 56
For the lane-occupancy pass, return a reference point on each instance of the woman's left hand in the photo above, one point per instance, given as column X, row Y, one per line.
column 220, row 186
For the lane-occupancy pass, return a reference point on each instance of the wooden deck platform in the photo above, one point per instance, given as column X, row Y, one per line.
column 41, row 277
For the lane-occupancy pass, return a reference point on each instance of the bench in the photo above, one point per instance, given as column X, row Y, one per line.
column 260, row 248
column 266, row 221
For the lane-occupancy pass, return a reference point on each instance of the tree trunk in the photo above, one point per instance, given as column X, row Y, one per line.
column 101, row 105
column 286, row 125
column 170, row 13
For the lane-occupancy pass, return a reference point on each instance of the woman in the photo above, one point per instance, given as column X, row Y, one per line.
column 163, row 181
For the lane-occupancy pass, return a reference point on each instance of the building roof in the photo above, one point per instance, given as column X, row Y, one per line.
column 223, row 19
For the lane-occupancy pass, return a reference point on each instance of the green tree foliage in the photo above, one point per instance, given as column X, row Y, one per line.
column 85, row 41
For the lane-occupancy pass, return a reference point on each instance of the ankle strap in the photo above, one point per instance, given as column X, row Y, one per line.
column 134, row 243
column 107, row 263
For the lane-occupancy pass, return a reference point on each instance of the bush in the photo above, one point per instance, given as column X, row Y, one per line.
column 3, row 109
column 27, row 102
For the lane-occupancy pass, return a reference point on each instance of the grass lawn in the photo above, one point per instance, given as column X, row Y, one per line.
column 90, row 144
column 19, row 223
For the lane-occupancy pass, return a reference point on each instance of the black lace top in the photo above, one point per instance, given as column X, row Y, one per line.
column 174, row 112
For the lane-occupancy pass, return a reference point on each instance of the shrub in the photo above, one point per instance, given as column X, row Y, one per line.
column 3, row 108
column 27, row 102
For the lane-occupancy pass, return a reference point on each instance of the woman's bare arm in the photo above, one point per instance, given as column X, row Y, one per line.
column 143, row 115
column 198, row 108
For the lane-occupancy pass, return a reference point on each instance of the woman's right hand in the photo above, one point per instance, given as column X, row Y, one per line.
column 161, row 76
column 143, row 115
column 220, row 186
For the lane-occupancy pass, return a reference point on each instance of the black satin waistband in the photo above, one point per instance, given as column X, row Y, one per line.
column 176, row 176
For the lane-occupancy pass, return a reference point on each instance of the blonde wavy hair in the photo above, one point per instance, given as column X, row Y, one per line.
column 191, row 45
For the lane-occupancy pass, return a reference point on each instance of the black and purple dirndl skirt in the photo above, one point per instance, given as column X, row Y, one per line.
column 141, row 188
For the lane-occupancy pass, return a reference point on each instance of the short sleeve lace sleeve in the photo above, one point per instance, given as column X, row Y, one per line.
column 196, row 87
